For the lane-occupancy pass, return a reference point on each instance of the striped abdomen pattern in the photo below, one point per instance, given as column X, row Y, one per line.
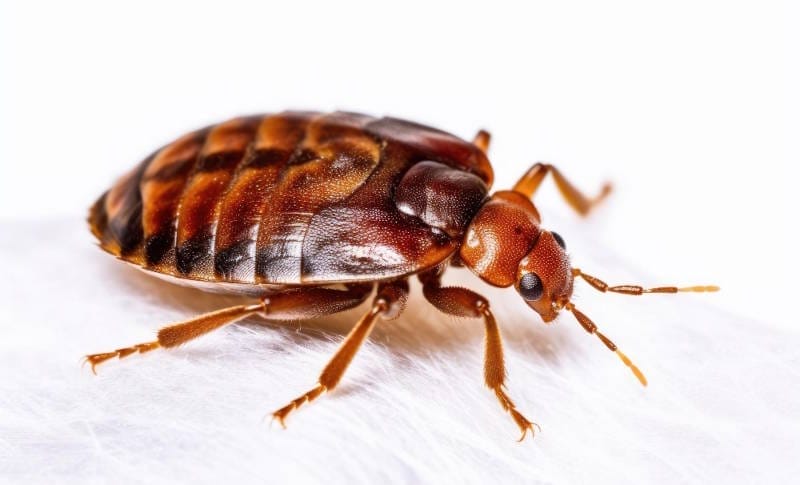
column 291, row 198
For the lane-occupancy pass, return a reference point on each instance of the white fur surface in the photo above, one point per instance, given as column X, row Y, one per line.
column 721, row 407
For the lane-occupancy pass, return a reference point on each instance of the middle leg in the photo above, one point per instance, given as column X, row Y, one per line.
column 389, row 302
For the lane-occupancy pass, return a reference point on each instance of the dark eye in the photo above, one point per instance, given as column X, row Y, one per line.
column 559, row 240
column 530, row 287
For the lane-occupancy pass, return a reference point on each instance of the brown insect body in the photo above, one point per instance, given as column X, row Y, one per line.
column 296, row 199
column 285, row 207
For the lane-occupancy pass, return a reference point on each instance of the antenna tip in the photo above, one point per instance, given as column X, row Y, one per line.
column 638, row 373
column 701, row 289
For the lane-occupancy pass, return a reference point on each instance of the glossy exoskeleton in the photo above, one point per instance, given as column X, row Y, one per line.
column 312, row 213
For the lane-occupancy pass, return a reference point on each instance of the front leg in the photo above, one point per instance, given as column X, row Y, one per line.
column 462, row 302
column 582, row 204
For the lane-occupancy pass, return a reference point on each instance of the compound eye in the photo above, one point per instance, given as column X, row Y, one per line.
column 530, row 287
column 559, row 240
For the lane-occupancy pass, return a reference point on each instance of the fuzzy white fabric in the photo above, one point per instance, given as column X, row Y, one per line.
column 721, row 407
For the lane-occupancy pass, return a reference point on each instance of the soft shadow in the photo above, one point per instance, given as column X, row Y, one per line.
column 420, row 333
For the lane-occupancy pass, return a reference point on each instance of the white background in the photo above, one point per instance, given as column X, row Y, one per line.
column 688, row 107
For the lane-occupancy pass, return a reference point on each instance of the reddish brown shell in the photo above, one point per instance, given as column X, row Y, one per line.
column 295, row 198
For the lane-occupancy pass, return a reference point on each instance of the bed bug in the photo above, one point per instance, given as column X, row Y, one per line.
column 312, row 214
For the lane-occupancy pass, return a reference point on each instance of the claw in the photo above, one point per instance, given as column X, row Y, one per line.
column 281, row 414
column 524, row 424
column 96, row 359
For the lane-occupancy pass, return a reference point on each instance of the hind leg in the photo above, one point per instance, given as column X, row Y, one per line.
column 289, row 305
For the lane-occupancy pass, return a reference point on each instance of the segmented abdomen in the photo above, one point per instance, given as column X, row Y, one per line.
column 251, row 200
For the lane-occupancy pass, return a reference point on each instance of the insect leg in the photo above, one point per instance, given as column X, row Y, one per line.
column 389, row 302
column 293, row 304
column 181, row 333
column 462, row 302
column 529, row 183
column 481, row 140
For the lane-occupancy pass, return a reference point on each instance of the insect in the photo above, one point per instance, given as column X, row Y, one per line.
column 312, row 214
